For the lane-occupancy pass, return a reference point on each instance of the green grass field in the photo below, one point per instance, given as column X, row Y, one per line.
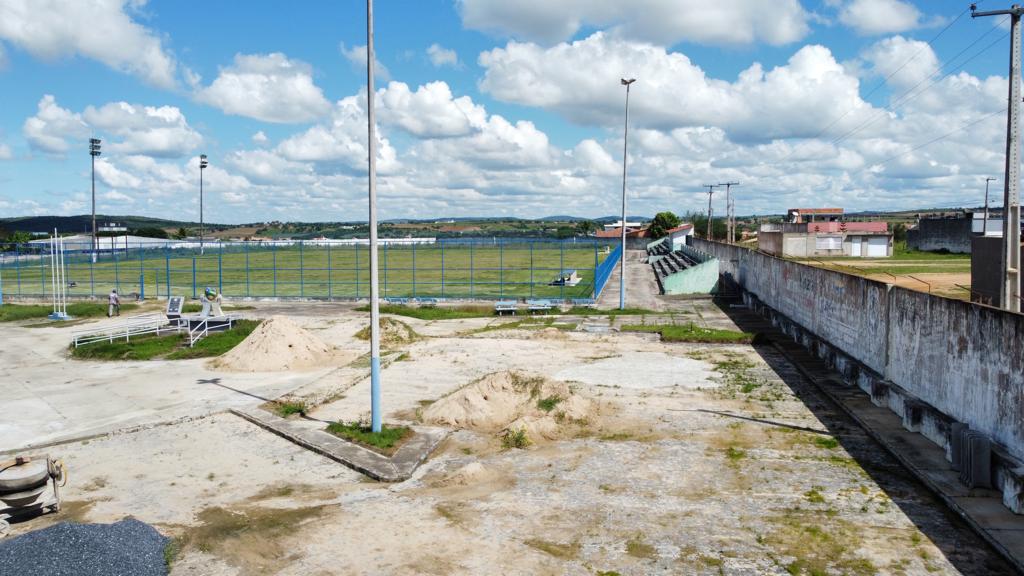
column 454, row 271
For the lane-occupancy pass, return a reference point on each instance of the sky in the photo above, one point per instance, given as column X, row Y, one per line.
column 497, row 108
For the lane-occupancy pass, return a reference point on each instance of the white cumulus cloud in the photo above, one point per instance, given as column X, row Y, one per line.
column 52, row 125
column 871, row 17
column 149, row 130
column 440, row 56
column 660, row 21
column 431, row 111
column 356, row 56
column 271, row 88
column 101, row 30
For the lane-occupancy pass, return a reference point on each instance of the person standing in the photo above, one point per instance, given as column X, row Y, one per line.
column 113, row 304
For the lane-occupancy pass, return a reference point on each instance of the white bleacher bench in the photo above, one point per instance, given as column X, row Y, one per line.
column 539, row 305
column 427, row 302
column 584, row 302
column 395, row 300
column 502, row 306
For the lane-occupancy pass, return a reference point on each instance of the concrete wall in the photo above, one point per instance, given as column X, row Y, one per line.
column 699, row 279
column 770, row 242
column 952, row 234
column 952, row 359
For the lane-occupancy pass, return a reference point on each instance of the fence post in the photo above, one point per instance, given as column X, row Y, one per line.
column 593, row 283
column 167, row 264
column 385, row 268
column 414, row 270
column 442, row 268
column 142, row 274
column 17, row 265
column 471, row 293
column 561, row 265
column 302, row 267
column 273, row 251
column 330, row 293
column 220, row 268
column 356, row 248
column 193, row 276
column 42, row 275
column 246, row 269
column 501, row 268
column 92, row 273
column 531, row 268
column 117, row 267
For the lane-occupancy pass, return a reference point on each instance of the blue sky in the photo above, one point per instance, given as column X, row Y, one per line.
column 496, row 108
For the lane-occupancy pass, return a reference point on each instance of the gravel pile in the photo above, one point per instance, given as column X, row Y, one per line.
column 125, row 548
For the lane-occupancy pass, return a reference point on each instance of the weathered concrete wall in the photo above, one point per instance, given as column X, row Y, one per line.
column 964, row 359
column 952, row 234
column 699, row 279
column 770, row 242
column 961, row 360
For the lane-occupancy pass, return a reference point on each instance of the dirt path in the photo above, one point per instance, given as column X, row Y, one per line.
column 641, row 285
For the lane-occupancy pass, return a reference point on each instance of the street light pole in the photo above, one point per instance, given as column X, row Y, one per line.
column 202, row 166
column 375, row 408
column 94, row 151
column 984, row 223
column 622, row 256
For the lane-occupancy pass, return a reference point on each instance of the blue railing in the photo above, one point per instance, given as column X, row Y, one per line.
column 604, row 270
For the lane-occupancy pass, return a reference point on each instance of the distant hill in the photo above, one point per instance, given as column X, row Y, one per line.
column 83, row 223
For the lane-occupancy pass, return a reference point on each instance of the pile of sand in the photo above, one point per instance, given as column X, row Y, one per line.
column 277, row 344
column 392, row 332
column 509, row 400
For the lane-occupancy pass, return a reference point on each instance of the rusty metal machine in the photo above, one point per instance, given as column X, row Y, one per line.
column 29, row 485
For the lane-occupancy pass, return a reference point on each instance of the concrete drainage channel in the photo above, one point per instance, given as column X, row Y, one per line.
column 982, row 509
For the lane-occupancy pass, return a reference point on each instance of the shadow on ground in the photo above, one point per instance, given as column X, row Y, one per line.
column 962, row 547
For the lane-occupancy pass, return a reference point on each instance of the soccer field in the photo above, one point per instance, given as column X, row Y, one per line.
column 490, row 269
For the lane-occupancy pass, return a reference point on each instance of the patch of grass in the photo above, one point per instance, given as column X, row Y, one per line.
column 818, row 544
column 15, row 312
column 171, row 551
column 252, row 538
column 392, row 332
column 286, row 408
column 826, row 442
column 434, row 312
column 814, row 495
column 170, row 347
column 583, row 311
column 735, row 454
column 637, row 548
column 386, row 441
column 563, row 551
column 145, row 347
column 692, row 333
column 515, row 439
column 548, row 404
column 217, row 343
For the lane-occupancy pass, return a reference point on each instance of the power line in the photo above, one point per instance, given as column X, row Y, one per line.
column 908, row 94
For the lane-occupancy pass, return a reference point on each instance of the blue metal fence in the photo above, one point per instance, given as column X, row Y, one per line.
column 481, row 268
column 603, row 271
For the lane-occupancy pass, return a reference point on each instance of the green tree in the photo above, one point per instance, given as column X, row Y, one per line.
column 662, row 222
column 899, row 232
column 585, row 227
column 181, row 234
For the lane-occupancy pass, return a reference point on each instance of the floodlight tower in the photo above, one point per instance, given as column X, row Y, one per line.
column 202, row 166
column 622, row 256
column 711, row 191
column 94, row 151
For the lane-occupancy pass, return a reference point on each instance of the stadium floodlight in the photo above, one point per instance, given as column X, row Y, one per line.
column 371, row 144
column 202, row 166
column 94, row 151
column 622, row 255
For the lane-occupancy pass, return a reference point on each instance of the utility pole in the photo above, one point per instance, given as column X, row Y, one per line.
column 984, row 223
column 728, row 211
column 94, row 151
column 371, row 146
column 711, row 190
column 622, row 256
column 1009, row 292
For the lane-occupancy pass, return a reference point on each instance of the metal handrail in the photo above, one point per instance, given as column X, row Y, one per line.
column 148, row 324
column 202, row 329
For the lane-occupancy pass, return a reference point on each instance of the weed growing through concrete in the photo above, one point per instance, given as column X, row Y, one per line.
column 690, row 332
column 814, row 495
column 563, row 551
column 734, row 454
column 286, row 408
column 637, row 548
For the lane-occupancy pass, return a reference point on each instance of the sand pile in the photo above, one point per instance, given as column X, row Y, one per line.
column 276, row 344
column 392, row 332
column 509, row 400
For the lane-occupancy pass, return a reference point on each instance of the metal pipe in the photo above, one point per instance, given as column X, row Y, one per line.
column 625, row 144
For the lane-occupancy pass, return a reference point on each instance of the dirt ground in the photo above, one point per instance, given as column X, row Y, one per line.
column 703, row 459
